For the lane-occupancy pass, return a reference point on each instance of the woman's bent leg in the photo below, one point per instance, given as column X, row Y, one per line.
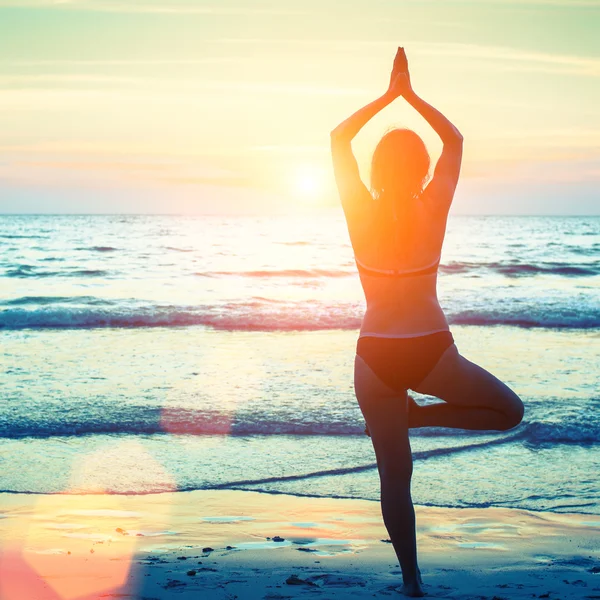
column 385, row 412
column 473, row 397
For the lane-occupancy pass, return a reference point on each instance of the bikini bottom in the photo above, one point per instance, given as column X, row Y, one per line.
column 403, row 363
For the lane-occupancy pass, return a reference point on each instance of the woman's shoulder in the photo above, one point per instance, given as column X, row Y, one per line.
column 435, row 204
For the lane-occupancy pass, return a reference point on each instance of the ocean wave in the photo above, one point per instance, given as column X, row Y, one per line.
column 515, row 269
column 576, row 431
column 302, row 273
column 581, row 318
column 24, row 271
column 571, row 430
column 259, row 314
column 179, row 249
column 50, row 300
column 101, row 249
column 140, row 420
column 11, row 236
column 509, row 270
column 262, row 314
column 421, row 455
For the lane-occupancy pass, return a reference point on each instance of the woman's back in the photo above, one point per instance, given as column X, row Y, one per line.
column 397, row 262
column 402, row 230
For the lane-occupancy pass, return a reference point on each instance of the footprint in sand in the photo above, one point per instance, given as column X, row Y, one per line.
column 331, row 580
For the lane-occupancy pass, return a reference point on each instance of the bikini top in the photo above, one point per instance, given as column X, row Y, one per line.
column 364, row 269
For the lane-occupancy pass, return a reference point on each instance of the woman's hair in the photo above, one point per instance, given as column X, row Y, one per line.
column 400, row 166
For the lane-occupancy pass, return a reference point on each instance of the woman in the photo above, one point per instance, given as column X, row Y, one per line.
column 397, row 231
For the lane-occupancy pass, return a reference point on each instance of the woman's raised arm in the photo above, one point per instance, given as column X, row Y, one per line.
column 348, row 129
column 344, row 163
column 443, row 184
column 448, row 133
column 447, row 169
column 345, row 167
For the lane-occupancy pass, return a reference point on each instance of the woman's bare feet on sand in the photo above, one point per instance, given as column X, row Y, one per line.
column 412, row 590
column 412, row 405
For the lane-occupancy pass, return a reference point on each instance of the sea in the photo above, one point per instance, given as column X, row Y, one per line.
column 143, row 354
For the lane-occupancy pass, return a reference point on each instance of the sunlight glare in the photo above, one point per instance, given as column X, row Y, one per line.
column 308, row 182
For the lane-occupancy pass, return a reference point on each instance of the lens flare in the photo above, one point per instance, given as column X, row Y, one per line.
column 307, row 182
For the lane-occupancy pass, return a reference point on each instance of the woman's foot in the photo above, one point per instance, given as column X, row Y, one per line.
column 412, row 406
column 412, row 590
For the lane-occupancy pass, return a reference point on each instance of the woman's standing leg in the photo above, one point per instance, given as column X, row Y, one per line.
column 385, row 412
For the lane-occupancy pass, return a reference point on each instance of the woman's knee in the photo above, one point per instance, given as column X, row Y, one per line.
column 395, row 465
column 518, row 412
column 396, row 474
column 513, row 413
column 497, row 396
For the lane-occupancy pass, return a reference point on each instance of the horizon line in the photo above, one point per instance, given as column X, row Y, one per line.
column 265, row 214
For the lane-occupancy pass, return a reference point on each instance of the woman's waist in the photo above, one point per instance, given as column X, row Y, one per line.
column 402, row 320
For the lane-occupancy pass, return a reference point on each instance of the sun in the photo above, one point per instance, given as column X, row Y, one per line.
column 307, row 182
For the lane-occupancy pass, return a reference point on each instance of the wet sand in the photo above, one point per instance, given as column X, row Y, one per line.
column 238, row 544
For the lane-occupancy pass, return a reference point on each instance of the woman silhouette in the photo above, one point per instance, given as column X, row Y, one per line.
column 397, row 230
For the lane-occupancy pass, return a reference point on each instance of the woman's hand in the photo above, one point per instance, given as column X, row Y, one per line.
column 400, row 85
column 400, row 61
column 400, row 78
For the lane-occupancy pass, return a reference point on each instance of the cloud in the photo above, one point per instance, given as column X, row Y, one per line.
column 542, row 61
column 59, row 92
column 119, row 62
column 581, row 65
column 504, row 57
column 563, row 3
column 98, row 169
column 19, row 80
column 192, row 6
column 291, row 149
column 147, row 6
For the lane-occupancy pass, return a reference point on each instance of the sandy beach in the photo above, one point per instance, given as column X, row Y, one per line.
column 238, row 544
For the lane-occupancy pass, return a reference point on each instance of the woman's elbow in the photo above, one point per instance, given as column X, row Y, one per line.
column 340, row 133
column 455, row 140
column 339, row 139
column 336, row 134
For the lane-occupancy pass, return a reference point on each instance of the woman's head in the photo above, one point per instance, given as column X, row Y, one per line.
column 400, row 165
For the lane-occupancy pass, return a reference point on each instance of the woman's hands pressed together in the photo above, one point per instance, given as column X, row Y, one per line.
column 400, row 78
column 400, row 85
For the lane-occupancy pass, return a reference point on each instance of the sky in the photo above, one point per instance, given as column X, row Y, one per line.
column 225, row 106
